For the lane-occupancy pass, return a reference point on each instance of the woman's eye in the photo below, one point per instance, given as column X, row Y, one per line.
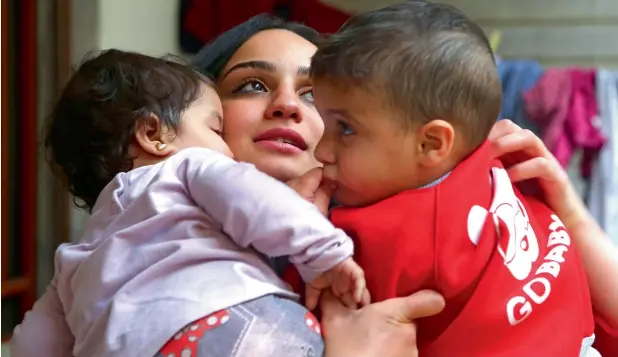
column 345, row 129
column 307, row 96
column 251, row 86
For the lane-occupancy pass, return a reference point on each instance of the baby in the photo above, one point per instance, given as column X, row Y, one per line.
column 179, row 230
column 408, row 94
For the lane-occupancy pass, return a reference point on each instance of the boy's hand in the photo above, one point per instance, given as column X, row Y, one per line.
column 347, row 282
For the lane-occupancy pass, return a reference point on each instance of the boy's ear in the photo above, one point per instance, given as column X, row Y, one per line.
column 436, row 140
column 151, row 138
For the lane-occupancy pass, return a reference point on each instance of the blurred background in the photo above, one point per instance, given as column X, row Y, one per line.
column 41, row 39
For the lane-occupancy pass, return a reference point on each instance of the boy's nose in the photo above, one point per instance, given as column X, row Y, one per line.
column 324, row 151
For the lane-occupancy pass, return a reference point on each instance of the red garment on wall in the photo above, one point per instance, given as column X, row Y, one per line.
column 204, row 20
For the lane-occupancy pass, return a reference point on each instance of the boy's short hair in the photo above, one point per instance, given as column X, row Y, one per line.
column 91, row 127
column 430, row 60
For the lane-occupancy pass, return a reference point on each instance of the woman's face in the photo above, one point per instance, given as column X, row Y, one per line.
column 269, row 117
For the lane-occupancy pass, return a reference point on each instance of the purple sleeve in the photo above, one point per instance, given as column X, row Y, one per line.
column 44, row 329
column 256, row 210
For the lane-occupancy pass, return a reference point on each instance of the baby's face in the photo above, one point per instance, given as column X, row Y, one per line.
column 365, row 148
column 201, row 124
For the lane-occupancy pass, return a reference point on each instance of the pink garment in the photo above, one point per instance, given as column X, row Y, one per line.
column 563, row 104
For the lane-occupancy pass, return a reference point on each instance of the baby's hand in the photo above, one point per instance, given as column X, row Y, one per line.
column 347, row 282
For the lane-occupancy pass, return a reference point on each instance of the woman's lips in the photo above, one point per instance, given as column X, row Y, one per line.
column 285, row 141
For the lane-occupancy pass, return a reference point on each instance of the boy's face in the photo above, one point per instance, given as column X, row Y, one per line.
column 365, row 148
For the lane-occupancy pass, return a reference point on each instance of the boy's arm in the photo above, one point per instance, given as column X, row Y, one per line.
column 256, row 210
column 44, row 330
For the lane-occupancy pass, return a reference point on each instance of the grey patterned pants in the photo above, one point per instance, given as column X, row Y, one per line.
column 268, row 326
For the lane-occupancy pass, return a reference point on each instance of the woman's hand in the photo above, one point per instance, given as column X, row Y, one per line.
column 381, row 329
column 526, row 157
column 309, row 186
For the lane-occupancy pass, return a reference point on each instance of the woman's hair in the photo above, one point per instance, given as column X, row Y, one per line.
column 88, row 133
column 214, row 56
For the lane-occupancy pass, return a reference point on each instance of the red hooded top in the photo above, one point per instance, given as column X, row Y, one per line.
column 512, row 279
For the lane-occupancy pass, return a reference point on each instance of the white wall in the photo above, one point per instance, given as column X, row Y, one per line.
column 146, row 26
column 556, row 32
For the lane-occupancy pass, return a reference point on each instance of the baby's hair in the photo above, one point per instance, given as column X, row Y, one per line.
column 430, row 61
column 91, row 127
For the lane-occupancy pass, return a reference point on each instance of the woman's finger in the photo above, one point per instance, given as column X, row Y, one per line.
column 538, row 167
column 407, row 309
column 520, row 142
column 502, row 128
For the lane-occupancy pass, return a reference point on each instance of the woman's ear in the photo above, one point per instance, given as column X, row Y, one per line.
column 436, row 140
column 150, row 136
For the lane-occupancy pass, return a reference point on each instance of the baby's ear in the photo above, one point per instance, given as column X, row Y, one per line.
column 151, row 136
column 436, row 139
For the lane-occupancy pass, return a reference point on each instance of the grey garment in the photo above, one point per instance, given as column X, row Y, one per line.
column 438, row 181
column 267, row 326
column 603, row 196
column 587, row 349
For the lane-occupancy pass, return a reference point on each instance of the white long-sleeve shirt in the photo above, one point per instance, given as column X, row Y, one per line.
column 168, row 244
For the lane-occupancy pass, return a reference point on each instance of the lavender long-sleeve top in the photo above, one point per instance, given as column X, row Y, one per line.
column 168, row 244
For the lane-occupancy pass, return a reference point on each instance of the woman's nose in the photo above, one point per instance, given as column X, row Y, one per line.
column 285, row 105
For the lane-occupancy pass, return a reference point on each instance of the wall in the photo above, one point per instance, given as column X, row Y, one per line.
column 146, row 26
column 556, row 32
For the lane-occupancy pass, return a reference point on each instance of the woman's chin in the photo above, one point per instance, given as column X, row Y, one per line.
column 282, row 168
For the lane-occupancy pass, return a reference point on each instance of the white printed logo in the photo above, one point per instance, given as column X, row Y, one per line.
column 521, row 249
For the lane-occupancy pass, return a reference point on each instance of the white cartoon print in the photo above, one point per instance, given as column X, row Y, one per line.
column 518, row 246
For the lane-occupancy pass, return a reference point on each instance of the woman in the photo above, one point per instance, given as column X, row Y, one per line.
column 266, row 94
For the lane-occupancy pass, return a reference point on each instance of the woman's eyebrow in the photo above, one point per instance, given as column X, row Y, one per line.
column 263, row 65
column 303, row 71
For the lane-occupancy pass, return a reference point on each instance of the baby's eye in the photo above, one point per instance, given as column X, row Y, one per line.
column 345, row 129
column 251, row 86
column 307, row 96
column 218, row 132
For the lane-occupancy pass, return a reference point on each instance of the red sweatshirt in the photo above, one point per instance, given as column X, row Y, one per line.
column 512, row 279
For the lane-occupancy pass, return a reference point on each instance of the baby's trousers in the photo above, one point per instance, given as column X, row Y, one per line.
column 267, row 326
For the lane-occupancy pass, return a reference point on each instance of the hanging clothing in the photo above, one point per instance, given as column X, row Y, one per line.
column 517, row 77
column 203, row 20
column 603, row 199
column 563, row 104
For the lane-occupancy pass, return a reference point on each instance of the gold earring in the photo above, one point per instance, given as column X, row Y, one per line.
column 161, row 146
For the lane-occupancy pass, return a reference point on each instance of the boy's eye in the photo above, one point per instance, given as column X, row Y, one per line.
column 345, row 129
column 250, row 86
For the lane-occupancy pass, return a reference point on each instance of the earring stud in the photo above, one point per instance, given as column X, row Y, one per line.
column 161, row 146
